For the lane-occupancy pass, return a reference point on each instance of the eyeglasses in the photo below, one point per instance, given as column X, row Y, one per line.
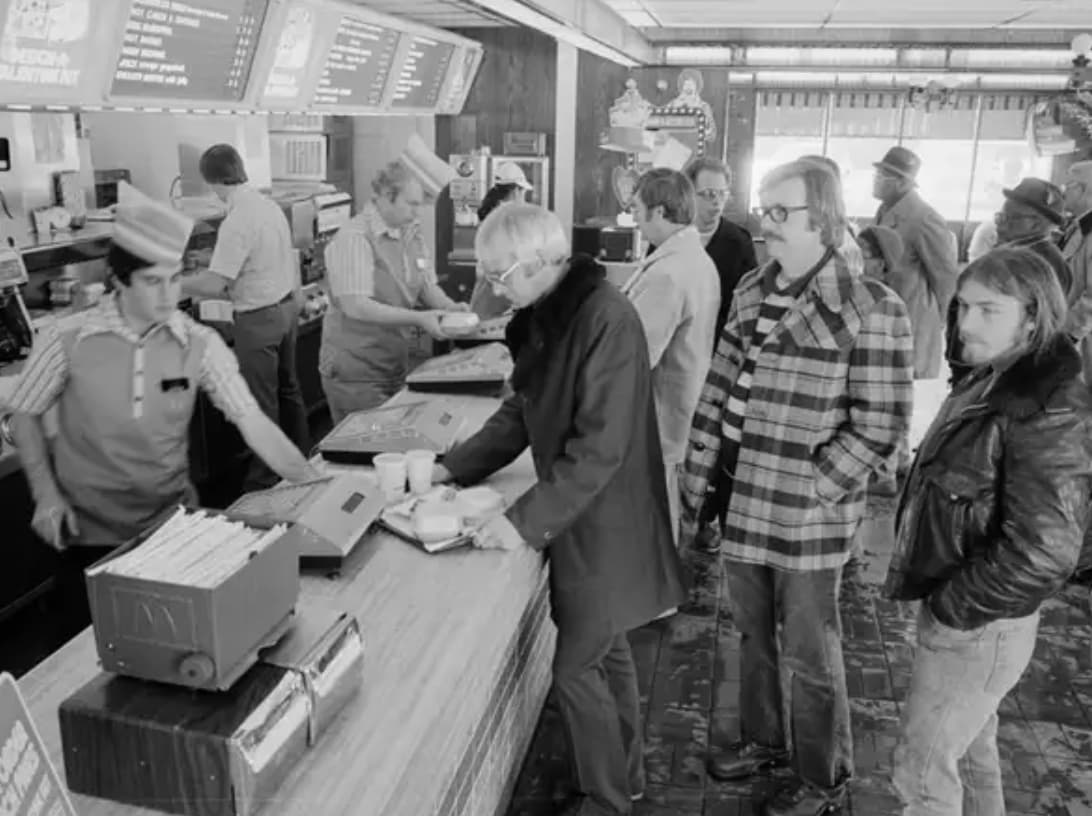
column 712, row 195
column 778, row 213
column 496, row 279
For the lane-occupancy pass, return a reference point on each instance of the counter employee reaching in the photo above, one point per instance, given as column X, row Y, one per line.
column 254, row 264
column 379, row 272
column 124, row 377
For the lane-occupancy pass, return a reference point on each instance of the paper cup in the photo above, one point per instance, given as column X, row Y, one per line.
column 390, row 471
column 419, row 465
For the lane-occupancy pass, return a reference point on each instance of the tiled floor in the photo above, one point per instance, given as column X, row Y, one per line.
column 688, row 670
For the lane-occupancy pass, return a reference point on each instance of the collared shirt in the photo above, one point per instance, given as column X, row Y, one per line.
column 367, row 242
column 254, row 251
column 43, row 380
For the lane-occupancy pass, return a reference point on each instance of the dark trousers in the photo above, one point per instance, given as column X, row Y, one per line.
column 265, row 343
column 595, row 681
column 806, row 606
column 70, row 590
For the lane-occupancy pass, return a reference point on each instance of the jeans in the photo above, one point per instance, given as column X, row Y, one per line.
column 949, row 720
column 806, row 605
column 595, row 681
column 265, row 343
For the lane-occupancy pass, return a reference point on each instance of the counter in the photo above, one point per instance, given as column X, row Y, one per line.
column 456, row 668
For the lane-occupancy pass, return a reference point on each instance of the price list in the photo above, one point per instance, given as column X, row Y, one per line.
column 189, row 49
column 358, row 65
column 422, row 75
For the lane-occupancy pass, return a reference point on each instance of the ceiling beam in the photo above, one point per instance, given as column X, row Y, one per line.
column 600, row 22
column 1015, row 37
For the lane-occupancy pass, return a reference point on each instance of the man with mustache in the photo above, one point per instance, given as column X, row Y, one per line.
column 808, row 397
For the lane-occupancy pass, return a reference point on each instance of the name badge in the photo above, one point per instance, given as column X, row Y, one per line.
column 422, row 264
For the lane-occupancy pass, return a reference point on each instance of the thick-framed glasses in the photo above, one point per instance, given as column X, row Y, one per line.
column 712, row 195
column 498, row 279
column 778, row 213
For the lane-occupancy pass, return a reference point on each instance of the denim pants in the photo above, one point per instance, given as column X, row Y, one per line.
column 947, row 763
column 806, row 606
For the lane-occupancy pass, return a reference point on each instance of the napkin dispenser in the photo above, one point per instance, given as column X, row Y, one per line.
column 203, row 637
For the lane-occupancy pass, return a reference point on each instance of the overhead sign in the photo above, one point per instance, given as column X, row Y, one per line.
column 358, row 64
column 461, row 74
column 188, row 49
column 422, row 73
column 29, row 784
column 49, row 49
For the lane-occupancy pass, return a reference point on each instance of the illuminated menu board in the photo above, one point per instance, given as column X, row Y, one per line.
column 295, row 48
column 422, row 73
column 49, row 47
column 189, row 49
column 464, row 67
column 358, row 64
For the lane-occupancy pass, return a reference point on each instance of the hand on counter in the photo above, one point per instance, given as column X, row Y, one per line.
column 497, row 534
column 52, row 518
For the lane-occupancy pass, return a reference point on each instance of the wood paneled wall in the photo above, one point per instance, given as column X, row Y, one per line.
column 515, row 90
column 599, row 82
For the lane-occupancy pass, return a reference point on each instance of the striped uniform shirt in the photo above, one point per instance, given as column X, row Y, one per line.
column 43, row 380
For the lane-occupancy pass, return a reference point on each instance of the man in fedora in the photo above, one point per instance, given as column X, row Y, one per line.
column 1032, row 211
column 925, row 279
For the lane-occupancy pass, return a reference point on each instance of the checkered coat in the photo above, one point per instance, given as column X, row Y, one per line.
column 830, row 402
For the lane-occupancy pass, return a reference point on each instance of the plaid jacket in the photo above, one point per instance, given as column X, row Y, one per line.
column 829, row 403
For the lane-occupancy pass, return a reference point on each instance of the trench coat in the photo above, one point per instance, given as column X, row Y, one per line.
column 583, row 403
column 926, row 277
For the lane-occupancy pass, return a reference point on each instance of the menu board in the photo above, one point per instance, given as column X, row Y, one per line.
column 422, row 73
column 189, row 49
column 464, row 67
column 48, row 48
column 358, row 64
column 296, row 45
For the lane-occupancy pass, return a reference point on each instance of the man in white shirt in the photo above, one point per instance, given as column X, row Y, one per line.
column 676, row 291
column 254, row 264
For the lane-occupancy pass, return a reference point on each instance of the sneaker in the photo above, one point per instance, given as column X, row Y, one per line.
column 805, row 800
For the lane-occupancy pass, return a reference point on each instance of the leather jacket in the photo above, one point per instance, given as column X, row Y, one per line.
column 992, row 517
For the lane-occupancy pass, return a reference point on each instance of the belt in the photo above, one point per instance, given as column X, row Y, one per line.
column 280, row 302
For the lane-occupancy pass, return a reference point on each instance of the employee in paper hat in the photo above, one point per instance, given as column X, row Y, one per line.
column 382, row 284
column 123, row 377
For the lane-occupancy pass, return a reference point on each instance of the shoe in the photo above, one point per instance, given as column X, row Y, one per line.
column 742, row 761
column 806, row 800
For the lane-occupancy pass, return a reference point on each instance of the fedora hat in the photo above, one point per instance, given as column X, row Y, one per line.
column 901, row 162
column 433, row 172
column 1041, row 196
column 151, row 230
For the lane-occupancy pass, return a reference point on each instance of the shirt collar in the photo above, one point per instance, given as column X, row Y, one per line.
column 106, row 318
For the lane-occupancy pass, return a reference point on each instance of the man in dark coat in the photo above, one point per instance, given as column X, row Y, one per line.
column 583, row 403
column 730, row 246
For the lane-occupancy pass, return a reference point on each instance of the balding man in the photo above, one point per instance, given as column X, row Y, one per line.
column 1077, row 249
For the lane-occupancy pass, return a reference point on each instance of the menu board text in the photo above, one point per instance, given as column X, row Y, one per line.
column 422, row 74
column 358, row 65
column 191, row 49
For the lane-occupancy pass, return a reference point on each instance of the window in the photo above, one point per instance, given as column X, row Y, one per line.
column 970, row 148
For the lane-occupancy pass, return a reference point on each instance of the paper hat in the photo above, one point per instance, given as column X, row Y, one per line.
column 433, row 172
column 150, row 229
column 510, row 173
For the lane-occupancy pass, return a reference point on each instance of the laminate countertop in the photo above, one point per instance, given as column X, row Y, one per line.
column 457, row 650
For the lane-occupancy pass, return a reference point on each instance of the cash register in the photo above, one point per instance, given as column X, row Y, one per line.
column 326, row 517
column 362, row 435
